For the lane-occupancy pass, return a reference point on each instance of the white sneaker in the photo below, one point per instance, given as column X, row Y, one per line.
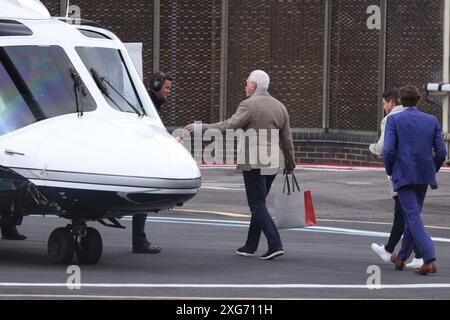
column 415, row 263
column 379, row 250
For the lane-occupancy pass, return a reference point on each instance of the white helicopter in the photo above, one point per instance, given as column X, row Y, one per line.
column 79, row 135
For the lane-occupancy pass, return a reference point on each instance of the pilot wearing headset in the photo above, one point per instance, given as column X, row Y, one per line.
column 160, row 86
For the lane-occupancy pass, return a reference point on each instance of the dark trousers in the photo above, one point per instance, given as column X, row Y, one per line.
column 8, row 228
column 398, row 228
column 257, row 187
column 412, row 198
column 139, row 228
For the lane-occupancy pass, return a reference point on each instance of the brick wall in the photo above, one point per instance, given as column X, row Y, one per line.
column 354, row 67
column 286, row 40
column 190, row 51
column 309, row 148
column 337, row 149
column 415, row 46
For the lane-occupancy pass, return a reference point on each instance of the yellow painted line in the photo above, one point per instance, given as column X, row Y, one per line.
column 242, row 215
column 219, row 213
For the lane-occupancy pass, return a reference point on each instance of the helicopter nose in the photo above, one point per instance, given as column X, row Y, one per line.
column 129, row 149
column 163, row 155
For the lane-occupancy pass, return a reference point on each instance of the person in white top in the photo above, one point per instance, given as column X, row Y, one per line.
column 391, row 106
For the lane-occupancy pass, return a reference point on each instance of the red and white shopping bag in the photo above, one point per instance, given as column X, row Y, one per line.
column 293, row 208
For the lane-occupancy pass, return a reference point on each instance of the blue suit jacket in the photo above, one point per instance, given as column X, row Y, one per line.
column 410, row 138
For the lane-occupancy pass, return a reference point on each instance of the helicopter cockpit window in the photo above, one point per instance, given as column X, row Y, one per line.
column 94, row 34
column 13, row 28
column 37, row 83
column 109, row 71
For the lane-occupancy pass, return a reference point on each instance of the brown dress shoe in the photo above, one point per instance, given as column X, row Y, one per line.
column 399, row 265
column 427, row 268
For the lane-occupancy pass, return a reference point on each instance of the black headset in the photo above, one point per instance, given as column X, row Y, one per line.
column 158, row 81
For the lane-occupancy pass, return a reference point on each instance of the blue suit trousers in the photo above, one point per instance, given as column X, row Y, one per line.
column 411, row 199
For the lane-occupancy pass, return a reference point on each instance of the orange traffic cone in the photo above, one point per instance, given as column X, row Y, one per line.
column 310, row 215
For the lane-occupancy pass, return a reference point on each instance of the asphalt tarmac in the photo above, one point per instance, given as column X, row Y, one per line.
column 333, row 260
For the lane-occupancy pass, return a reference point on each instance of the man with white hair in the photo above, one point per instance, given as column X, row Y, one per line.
column 268, row 119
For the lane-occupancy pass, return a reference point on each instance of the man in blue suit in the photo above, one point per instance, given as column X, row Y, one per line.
column 411, row 137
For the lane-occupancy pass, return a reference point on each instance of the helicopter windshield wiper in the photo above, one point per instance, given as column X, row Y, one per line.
column 98, row 80
column 21, row 85
column 101, row 81
column 106, row 80
column 78, row 86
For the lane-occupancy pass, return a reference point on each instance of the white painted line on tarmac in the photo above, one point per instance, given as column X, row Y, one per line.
column 228, row 286
column 244, row 215
column 375, row 223
column 86, row 296
column 102, row 297
column 119, row 297
column 222, row 188
column 245, row 224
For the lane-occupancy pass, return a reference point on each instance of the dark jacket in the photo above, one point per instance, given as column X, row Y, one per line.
column 156, row 101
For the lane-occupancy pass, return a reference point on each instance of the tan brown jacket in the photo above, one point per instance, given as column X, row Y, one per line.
column 261, row 111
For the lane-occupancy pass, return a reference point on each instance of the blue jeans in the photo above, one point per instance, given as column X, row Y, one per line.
column 257, row 188
column 411, row 199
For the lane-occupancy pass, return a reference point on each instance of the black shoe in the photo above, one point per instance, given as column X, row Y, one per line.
column 11, row 233
column 245, row 252
column 145, row 247
column 271, row 253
